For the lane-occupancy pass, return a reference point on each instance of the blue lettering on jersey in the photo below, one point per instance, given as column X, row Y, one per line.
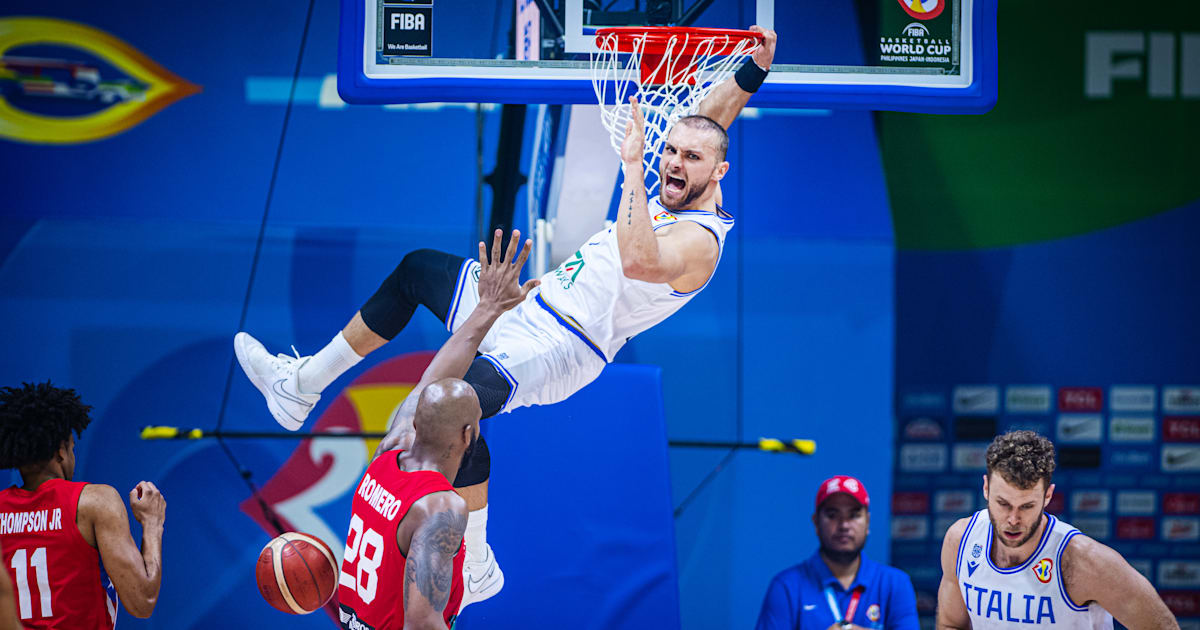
column 1008, row 608
column 1000, row 604
column 994, row 605
column 1045, row 609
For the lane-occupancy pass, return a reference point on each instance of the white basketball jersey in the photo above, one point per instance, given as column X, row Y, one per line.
column 590, row 292
column 1031, row 593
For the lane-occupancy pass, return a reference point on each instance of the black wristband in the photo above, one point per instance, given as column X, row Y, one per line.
column 750, row 77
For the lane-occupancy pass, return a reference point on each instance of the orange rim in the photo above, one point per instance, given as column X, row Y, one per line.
column 688, row 40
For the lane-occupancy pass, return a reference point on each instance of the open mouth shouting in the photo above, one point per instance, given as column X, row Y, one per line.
column 674, row 185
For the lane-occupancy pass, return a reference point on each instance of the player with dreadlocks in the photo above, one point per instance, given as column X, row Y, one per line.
column 62, row 539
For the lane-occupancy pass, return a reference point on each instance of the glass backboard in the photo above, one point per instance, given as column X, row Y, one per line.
column 903, row 55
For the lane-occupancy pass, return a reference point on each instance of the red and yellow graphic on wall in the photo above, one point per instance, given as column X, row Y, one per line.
column 923, row 9
column 63, row 82
column 323, row 471
column 320, row 471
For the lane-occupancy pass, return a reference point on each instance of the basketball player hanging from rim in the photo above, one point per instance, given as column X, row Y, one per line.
column 623, row 280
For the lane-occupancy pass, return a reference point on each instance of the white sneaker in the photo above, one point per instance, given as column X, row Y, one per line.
column 481, row 579
column 275, row 377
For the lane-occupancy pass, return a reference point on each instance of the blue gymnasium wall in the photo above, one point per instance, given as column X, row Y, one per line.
column 125, row 269
column 1045, row 280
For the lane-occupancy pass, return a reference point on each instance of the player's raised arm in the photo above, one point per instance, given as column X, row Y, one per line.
column 500, row 289
column 436, row 535
column 137, row 575
column 640, row 255
column 951, row 610
column 1093, row 572
column 645, row 255
column 726, row 100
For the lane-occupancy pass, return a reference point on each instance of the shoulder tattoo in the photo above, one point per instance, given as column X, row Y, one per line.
column 430, row 566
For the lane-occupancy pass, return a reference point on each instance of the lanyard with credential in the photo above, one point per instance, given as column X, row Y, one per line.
column 855, row 595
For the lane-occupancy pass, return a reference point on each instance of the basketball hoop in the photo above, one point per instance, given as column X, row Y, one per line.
column 669, row 69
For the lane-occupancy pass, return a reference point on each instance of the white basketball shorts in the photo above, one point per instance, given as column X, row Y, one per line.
column 542, row 357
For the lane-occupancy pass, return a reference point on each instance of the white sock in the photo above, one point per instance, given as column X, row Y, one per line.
column 325, row 366
column 476, row 534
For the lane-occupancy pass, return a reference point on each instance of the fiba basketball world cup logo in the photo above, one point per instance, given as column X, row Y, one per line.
column 923, row 10
column 925, row 42
column 1043, row 570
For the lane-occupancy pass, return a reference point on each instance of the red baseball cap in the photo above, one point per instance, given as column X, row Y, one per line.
column 843, row 484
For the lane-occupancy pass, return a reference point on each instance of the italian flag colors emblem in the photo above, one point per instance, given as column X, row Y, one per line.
column 569, row 270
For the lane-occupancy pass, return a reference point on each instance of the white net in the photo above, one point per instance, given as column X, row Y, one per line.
column 689, row 67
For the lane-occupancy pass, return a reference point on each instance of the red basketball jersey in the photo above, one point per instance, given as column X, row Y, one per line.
column 57, row 576
column 371, row 585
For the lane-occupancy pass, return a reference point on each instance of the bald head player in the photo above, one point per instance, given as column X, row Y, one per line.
column 1011, row 565
column 404, row 551
column 407, row 523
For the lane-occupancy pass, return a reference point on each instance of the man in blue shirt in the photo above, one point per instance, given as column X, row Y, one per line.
column 838, row 588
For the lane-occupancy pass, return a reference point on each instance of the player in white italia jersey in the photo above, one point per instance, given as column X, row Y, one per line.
column 625, row 279
column 583, row 312
column 1011, row 565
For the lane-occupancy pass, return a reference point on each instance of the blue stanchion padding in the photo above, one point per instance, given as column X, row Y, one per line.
column 580, row 513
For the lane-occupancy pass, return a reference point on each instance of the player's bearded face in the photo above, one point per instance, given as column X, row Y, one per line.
column 691, row 191
column 1015, row 514
column 686, row 167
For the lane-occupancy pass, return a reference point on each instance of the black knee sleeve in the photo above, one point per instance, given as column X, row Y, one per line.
column 490, row 387
column 477, row 466
column 424, row 276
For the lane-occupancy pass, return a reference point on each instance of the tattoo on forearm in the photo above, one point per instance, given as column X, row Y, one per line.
column 430, row 564
column 629, row 214
column 410, row 579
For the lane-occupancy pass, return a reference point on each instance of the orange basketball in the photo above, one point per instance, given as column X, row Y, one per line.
column 297, row 573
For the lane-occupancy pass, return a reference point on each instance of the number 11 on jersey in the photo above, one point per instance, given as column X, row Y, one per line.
column 38, row 561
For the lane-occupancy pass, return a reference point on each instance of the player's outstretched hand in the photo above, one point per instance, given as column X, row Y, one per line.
column 634, row 147
column 147, row 503
column 765, row 53
column 500, row 278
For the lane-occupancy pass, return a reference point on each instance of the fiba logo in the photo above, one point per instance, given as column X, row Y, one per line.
column 409, row 31
column 408, row 21
column 926, row 10
column 916, row 30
